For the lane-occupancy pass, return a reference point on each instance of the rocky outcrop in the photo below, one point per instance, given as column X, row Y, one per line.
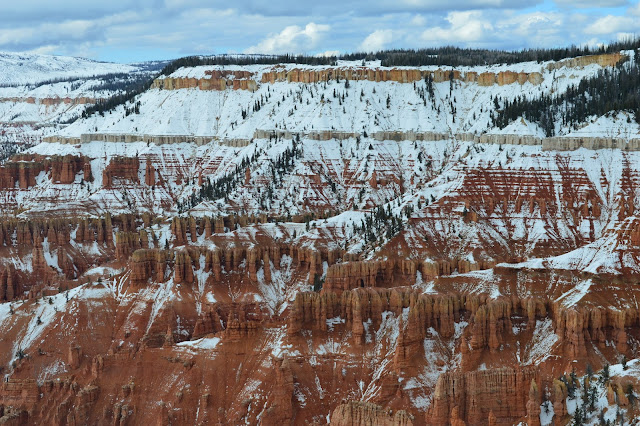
column 9, row 286
column 397, row 75
column 20, row 172
column 148, row 264
column 19, row 392
column 502, row 393
column 280, row 405
column 603, row 60
column 81, row 100
column 557, row 143
column 214, row 80
column 65, row 171
column 23, row 169
column 578, row 326
column 393, row 273
column 349, row 275
column 149, row 173
column 183, row 270
column 312, row 310
column 510, row 139
column 570, row 143
column 121, row 169
column 360, row 413
column 128, row 242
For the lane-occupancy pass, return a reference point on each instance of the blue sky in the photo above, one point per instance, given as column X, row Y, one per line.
column 129, row 31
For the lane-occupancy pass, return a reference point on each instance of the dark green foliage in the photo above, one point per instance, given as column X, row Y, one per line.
column 455, row 56
column 194, row 61
column 382, row 222
column 133, row 89
column 616, row 89
column 223, row 186
column 604, row 375
column 318, row 282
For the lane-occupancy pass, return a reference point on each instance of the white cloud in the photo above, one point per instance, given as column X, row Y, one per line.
column 292, row 39
column 464, row 27
column 377, row 40
column 612, row 24
column 328, row 53
column 583, row 4
column 418, row 21
column 133, row 30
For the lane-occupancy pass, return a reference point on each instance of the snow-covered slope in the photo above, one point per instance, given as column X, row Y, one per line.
column 31, row 68
column 363, row 106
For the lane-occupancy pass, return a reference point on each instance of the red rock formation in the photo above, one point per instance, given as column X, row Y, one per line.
column 64, row 170
column 396, row 75
column 127, row 243
column 21, row 172
column 183, row 271
column 311, row 310
column 150, row 174
column 148, row 264
column 215, row 80
column 280, row 406
column 120, row 169
column 503, row 392
column 9, row 285
column 345, row 276
column 365, row 413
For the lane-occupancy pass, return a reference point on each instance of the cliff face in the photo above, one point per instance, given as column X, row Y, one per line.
column 364, row 413
column 243, row 80
column 121, row 169
column 604, row 60
column 399, row 76
column 475, row 396
column 82, row 100
column 215, row 80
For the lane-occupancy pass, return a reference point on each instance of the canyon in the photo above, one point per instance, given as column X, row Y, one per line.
column 271, row 245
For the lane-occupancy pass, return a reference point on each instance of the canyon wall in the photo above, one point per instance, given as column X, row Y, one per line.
column 603, row 60
column 24, row 168
column 83, row 100
column 399, row 76
column 216, row 80
column 558, row 143
column 245, row 80
column 477, row 396
column 357, row 413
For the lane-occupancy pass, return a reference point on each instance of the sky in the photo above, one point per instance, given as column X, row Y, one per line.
column 132, row 31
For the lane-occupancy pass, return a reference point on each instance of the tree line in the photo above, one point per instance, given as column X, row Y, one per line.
column 611, row 89
column 194, row 61
column 456, row 56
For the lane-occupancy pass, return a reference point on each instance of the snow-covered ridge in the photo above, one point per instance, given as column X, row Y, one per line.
column 31, row 68
column 206, row 71
column 461, row 106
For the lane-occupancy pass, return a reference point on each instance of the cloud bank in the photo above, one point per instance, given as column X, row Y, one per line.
column 134, row 30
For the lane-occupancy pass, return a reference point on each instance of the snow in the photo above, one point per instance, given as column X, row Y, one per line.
column 573, row 296
column 618, row 125
column 541, row 343
column 520, row 127
column 205, row 343
column 296, row 106
column 28, row 68
column 45, row 313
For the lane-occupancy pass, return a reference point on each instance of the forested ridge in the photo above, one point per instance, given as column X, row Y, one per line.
column 540, row 109
column 456, row 56
column 611, row 89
